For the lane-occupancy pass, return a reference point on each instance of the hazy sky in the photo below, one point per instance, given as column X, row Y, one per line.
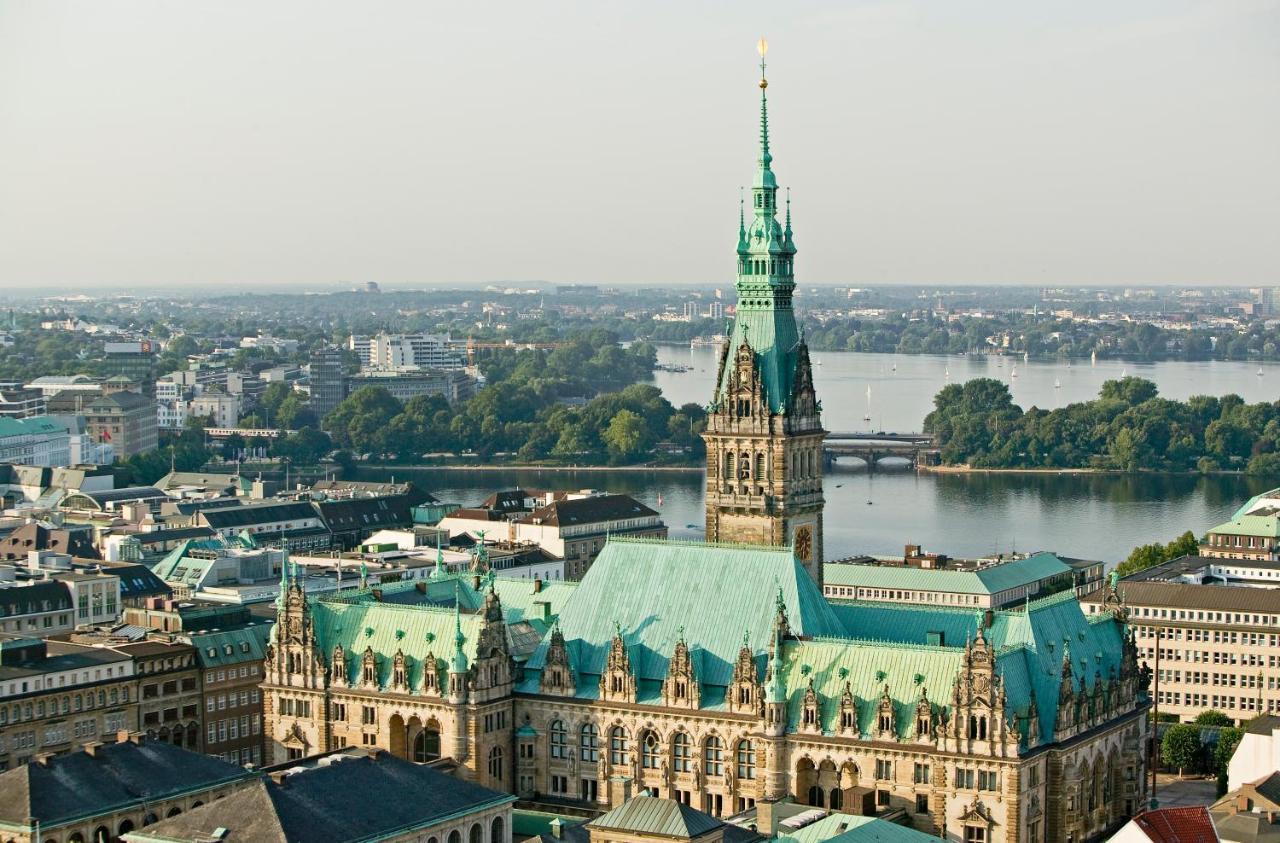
column 429, row 142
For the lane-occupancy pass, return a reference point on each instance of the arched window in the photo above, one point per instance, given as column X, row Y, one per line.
column 426, row 746
column 477, row 834
column 559, row 738
column 495, row 764
column 682, row 752
column 127, row 825
column 589, row 743
column 619, row 745
column 746, row 760
column 101, row 835
column 650, row 752
column 713, row 756
column 455, row 837
column 174, row 811
column 498, row 831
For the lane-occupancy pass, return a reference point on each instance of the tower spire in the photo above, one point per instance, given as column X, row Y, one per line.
column 762, row 46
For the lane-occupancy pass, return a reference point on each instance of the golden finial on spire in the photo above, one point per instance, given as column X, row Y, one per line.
column 762, row 47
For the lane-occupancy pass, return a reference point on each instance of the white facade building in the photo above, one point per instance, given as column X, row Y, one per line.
column 391, row 352
column 35, row 441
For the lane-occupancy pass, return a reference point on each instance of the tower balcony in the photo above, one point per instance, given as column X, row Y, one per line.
column 744, row 496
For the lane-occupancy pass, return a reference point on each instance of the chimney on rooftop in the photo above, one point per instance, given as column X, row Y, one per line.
column 475, row 582
column 278, row 776
column 92, row 747
column 537, row 585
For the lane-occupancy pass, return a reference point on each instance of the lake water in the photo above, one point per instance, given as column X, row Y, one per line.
column 903, row 385
column 1097, row 517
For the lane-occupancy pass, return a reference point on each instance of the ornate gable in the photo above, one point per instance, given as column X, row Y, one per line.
column 848, row 711
column 680, row 689
column 338, row 670
column 557, row 673
column 617, row 682
column 744, row 693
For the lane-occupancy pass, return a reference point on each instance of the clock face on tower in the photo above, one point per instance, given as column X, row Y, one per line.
column 803, row 542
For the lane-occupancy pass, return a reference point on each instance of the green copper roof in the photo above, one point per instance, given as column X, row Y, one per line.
column 655, row 588
column 765, row 282
column 1266, row 526
column 645, row 814
column 1028, row 640
column 867, row 667
column 992, row 580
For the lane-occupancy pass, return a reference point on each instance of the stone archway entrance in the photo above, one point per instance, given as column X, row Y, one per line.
column 426, row 743
column 398, row 737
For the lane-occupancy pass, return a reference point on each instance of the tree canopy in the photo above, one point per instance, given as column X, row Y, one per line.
column 1128, row 427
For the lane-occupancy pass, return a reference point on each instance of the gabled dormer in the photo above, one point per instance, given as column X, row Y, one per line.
column 886, row 717
column 848, row 723
column 617, row 682
column 811, row 710
column 924, row 717
column 680, row 689
column 431, row 683
column 743, row 695
column 369, row 669
column 338, row 669
column 399, row 673
column 557, row 673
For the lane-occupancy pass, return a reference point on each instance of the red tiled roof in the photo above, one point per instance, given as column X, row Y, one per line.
column 1178, row 825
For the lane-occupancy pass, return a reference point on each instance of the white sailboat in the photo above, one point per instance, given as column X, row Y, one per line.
column 947, row 373
column 1259, row 371
column 1057, row 384
column 1124, row 373
column 1093, row 359
column 1014, row 373
column 867, row 417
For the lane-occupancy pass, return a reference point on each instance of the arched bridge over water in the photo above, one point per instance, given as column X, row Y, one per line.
column 871, row 447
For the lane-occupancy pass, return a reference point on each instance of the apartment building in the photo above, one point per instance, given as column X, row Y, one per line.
column 572, row 526
column 1252, row 533
column 994, row 586
column 169, row 695
column 57, row 696
column 1217, row 636
column 407, row 351
column 231, row 662
column 125, row 419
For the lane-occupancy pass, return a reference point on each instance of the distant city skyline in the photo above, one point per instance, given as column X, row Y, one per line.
column 325, row 144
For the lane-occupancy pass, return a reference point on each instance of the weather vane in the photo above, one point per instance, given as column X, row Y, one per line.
column 762, row 47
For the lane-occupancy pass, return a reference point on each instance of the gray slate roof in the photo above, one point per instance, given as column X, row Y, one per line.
column 316, row 804
column 116, row 776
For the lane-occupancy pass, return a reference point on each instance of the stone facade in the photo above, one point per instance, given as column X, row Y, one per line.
column 963, row 762
column 764, row 432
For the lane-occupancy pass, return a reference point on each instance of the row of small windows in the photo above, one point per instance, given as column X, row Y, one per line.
column 651, row 753
column 763, row 266
column 35, row 711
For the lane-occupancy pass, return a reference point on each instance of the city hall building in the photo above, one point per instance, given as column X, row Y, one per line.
column 719, row 674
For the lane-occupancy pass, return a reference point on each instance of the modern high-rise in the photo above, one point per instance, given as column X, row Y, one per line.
column 328, row 381
column 407, row 351
column 764, row 433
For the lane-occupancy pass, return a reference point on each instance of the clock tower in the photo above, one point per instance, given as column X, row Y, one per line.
column 764, row 430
